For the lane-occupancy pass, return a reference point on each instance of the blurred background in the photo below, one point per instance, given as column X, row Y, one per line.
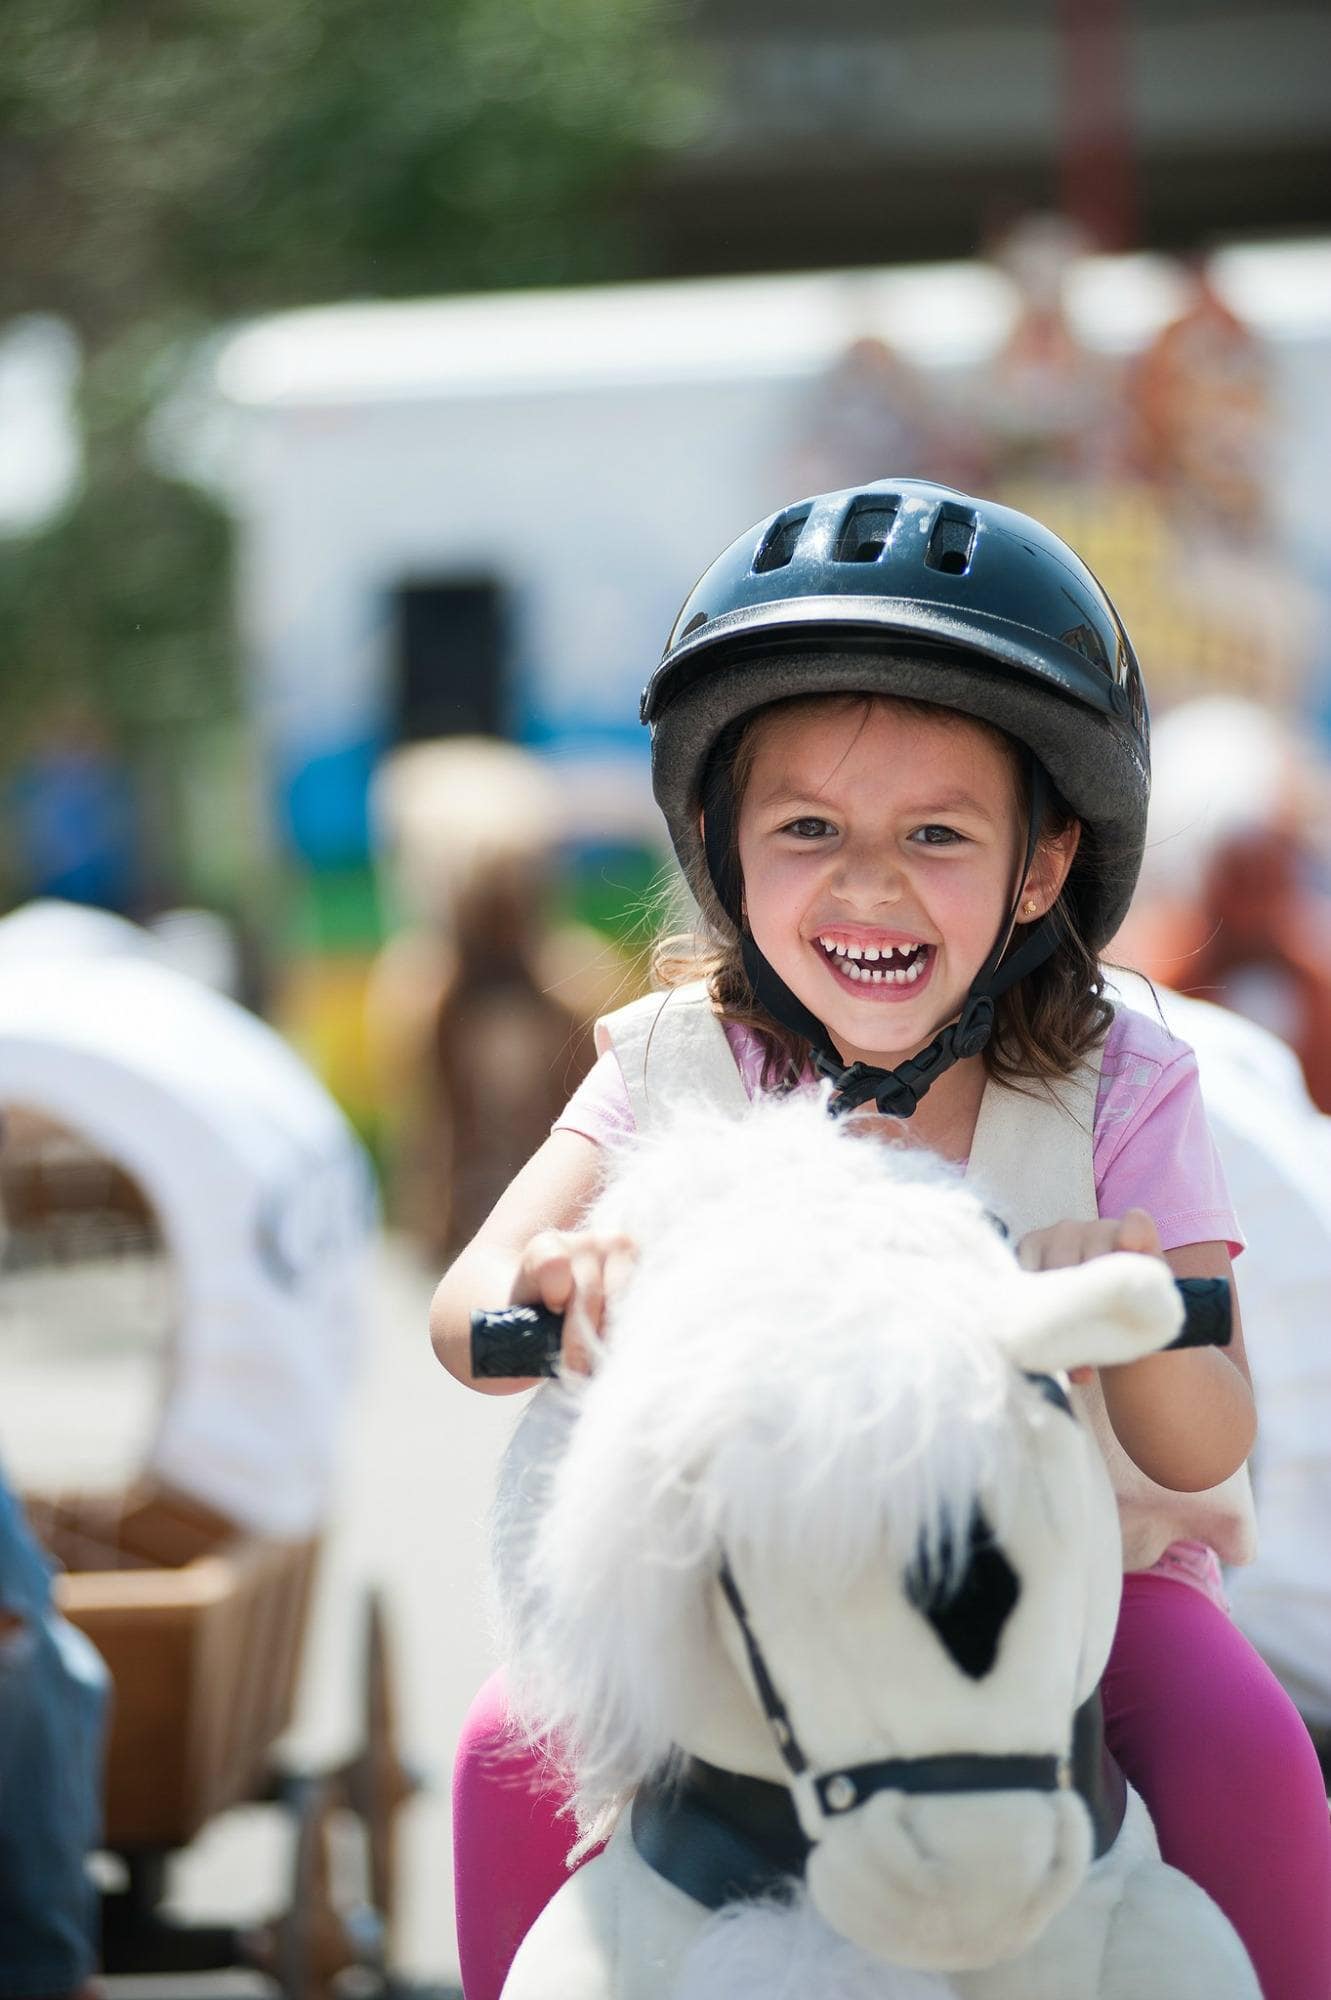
column 374, row 383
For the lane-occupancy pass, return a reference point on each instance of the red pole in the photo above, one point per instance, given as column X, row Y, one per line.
column 1096, row 156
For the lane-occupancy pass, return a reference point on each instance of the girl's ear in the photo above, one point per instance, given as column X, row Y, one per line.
column 1049, row 871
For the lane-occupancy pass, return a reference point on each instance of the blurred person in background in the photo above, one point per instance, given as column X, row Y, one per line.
column 1202, row 416
column 481, row 1005
column 1235, row 898
column 873, row 408
column 1048, row 405
column 53, row 1698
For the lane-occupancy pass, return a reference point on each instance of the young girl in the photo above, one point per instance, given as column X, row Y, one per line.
column 900, row 741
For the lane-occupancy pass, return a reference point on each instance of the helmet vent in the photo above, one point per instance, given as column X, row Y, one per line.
column 779, row 542
column 952, row 543
column 865, row 530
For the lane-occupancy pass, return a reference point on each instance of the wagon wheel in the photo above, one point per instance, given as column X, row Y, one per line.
column 329, row 1928
column 376, row 1780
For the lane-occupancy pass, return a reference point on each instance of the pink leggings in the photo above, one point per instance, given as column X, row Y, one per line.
column 1200, row 1725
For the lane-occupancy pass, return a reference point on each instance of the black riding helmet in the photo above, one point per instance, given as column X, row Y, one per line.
column 910, row 589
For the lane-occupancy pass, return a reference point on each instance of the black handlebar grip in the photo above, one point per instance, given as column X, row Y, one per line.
column 515, row 1342
column 1208, row 1316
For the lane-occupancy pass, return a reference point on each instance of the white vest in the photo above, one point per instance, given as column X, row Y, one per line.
column 1031, row 1158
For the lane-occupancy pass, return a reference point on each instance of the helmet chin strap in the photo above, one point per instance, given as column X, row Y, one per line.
column 896, row 1092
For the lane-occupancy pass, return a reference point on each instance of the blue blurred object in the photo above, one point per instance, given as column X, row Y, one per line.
column 324, row 800
column 75, row 823
column 53, row 1701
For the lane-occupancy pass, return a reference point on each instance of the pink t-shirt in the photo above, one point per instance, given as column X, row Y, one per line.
column 1152, row 1147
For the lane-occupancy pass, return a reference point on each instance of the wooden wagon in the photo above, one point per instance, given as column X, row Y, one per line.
column 142, row 1111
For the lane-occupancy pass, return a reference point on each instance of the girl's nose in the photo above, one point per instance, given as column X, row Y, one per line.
column 868, row 880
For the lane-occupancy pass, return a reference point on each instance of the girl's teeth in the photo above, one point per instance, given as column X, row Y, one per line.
column 906, row 976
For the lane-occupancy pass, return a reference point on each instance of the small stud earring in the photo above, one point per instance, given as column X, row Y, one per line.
column 1029, row 907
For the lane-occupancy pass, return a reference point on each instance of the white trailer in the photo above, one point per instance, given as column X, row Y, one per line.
column 483, row 512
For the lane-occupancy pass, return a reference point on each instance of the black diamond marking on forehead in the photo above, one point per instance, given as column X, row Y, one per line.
column 969, row 1616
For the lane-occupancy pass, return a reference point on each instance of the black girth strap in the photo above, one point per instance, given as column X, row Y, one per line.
column 720, row 1837
column 1097, row 1777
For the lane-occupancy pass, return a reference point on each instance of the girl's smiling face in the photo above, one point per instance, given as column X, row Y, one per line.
column 879, row 846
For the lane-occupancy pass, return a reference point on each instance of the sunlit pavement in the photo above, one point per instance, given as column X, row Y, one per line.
column 409, row 1516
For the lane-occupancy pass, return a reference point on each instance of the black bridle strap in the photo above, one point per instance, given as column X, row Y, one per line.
column 723, row 1837
column 778, row 1718
column 1089, row 1770
column 841, row 1791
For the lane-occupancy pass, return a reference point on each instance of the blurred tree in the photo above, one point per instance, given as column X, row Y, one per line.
column 166, row 164
column 233, row 155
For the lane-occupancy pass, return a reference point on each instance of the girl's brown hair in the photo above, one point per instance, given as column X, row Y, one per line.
column 1044, row 1024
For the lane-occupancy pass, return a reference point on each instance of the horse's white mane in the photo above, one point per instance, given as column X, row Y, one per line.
column 802, row 1370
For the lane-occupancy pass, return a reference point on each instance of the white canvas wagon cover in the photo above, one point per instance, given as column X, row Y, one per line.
column 263, row 1196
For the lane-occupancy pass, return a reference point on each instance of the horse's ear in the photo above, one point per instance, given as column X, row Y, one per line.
column 1114, row 1308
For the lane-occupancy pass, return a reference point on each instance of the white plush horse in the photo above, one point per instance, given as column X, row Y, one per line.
column 819, row 1567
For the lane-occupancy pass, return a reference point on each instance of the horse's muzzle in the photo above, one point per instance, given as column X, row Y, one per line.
column 948, row 1884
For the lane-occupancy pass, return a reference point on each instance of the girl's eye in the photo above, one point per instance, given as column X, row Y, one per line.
column 807, row 829
column 937, row 836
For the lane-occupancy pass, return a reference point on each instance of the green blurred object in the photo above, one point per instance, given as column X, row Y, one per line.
column 221, row 157
column 336, row 912
column 615, row 889
column 221, row 820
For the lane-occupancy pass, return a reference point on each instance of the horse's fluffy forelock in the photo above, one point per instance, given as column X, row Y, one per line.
column 811, row 1322
column 801, row 1370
